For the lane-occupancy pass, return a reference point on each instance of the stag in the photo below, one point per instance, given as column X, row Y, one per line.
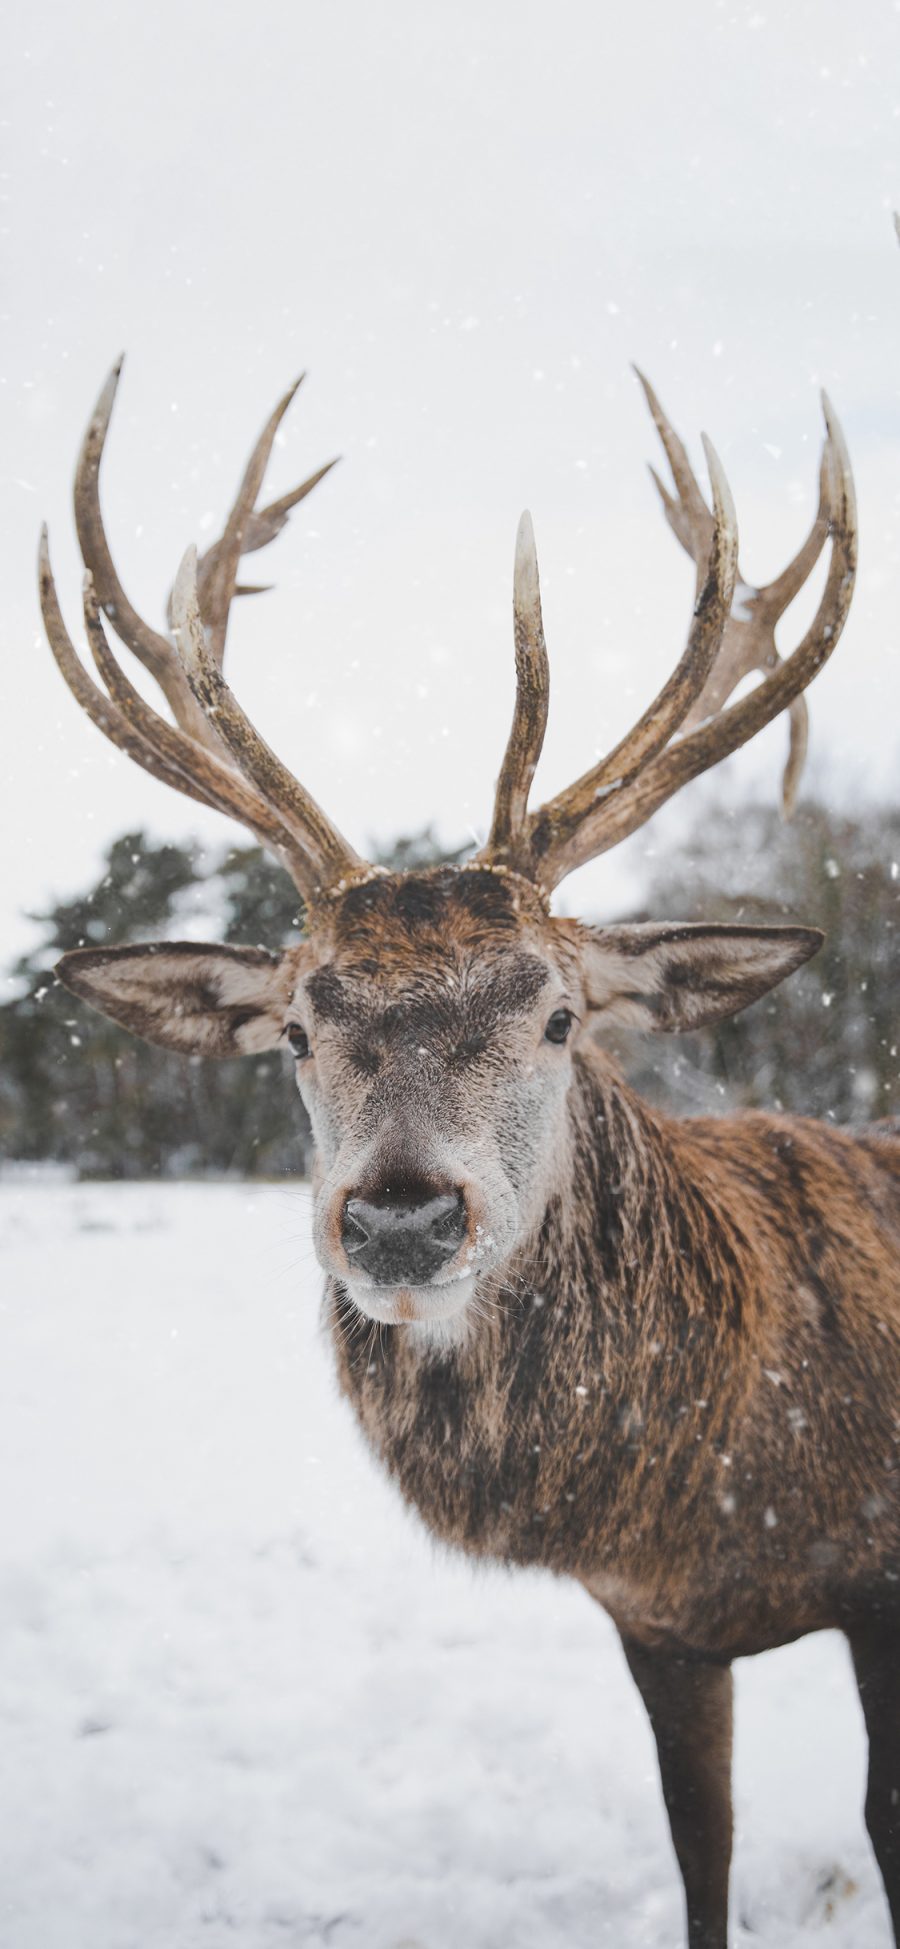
column 660, row 1357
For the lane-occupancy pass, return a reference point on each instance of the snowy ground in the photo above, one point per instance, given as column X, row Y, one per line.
column 244, row 1702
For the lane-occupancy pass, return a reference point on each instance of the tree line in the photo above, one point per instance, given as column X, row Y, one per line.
column 75, row 1090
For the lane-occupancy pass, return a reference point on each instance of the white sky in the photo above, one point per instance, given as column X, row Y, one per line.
column 464, row 221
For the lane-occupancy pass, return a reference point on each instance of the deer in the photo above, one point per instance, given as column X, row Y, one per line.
column 659, row 1357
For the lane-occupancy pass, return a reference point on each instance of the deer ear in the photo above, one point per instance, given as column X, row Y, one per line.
column 205, row 1001
column 680, row 977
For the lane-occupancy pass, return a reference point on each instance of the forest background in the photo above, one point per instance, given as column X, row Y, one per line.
column 77, row 1092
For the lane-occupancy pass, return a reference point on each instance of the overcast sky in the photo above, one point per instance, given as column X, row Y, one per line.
column 464, row 222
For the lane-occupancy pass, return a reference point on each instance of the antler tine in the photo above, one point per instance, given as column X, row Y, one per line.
column 151, row 648
column 526, row 738
column 624, row 811
column 133, row 727
column 265, row 523
column 208, row 778
column 557, row 823
column 101, row 710
column 777, row 595
column 688, row 517
column 798, row 740
column 330, row 860
column 247, row 529
column 748, row 642
column 262, row 527
column 275, row 515
column 711, row 611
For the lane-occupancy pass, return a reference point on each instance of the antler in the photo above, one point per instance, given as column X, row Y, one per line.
column 687, row 728
column 247, row 529
column 749, row 640
column 529, row 723
column 212, row 752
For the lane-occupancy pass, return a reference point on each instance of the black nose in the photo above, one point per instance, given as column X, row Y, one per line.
column 404, row 1243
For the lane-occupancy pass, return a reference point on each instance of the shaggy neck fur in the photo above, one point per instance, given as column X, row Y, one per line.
column 647, row 1396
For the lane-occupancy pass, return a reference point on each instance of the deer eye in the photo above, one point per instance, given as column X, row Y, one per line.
column 298, row 1039
column 558, row 1027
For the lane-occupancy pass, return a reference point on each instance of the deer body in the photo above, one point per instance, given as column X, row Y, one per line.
column 668, row 1395
column 660, row 1357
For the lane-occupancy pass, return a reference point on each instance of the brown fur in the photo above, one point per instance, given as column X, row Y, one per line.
column 686, row 1390
column 682, row 1389
column 682, row 1385
column 679, row 1381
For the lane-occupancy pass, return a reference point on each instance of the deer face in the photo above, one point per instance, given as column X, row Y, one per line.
column 434, row 1019
column 433, row 1046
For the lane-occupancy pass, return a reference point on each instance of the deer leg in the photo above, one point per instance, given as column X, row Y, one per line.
column 875, row 1646
column 689, row 1706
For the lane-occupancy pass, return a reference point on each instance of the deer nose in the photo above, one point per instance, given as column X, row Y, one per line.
column 403, row 1243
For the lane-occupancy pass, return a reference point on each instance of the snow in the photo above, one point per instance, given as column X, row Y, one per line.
column 243, row 1699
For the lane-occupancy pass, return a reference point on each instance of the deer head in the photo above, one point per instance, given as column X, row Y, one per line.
column 435, row 1016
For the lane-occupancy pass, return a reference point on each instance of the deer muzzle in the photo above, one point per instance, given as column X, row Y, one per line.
column 405, row 1242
